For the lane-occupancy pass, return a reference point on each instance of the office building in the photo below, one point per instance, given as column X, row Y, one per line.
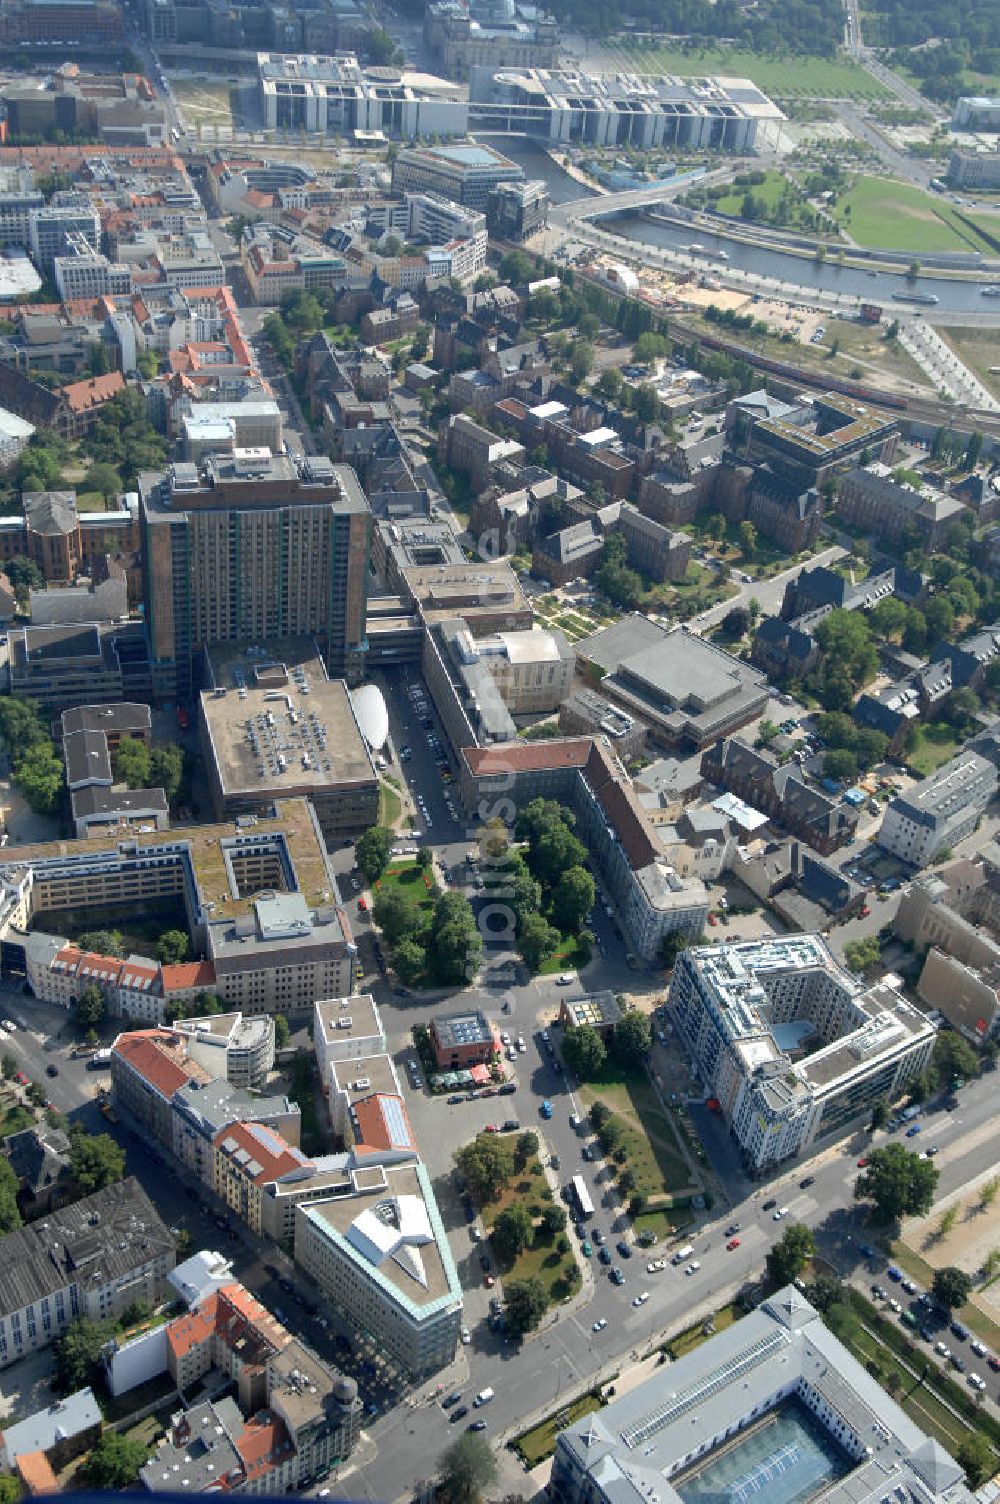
column 259, row 900
column 230, row 1047
column 791, row 1045
column 976, row 170
column 652, row 899
column 96, row 27
column 688, row 691
column 508, row 33
column 515, row 211
column 868, row 498
column 249, row 547
column 774, row 1396
column 657, row 552
column 346, row 1028
column 976, row 113
column 50, row 227
column 940, row 810
column 623, row 109
column 273, row 725
column 811, row 443
column 336, row 96
column 466, row 173
column 92, row 1259
column 380, row 1256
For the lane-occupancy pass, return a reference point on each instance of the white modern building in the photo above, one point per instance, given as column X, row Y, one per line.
column 940, row 810
column 624, row 109
column 791, row 1045
column 336, row 96
column 815, row 1425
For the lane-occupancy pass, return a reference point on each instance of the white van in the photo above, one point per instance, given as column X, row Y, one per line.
column 683, row 1253
column 483, row 1398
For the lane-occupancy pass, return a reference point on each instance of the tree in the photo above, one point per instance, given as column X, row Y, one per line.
column 748, row 540
column 132, row 763
column 789, row 1256
column 880, row 1115
column 24, row 574
column 166, row 769
column 585, row 942
column 8, row 1067
column 527, row 1302
column 487, row 1164
column 889, row 617
column 841, row 765
column 454, row 945
column 90, row 1008
column 115, row 1461
column 102, row 478
column 525, row 1146
column 940, row 617
column 897, row 1182
column 951, row 1287
column 409, row 961
column 573, row 899
column 671, row 946
column 371, row 851
column 10, row 1216
column 954, row 1056
column 973, row 450
column 96, row 1161
column 862, row 955
column 536, row 940
column 609, row 384
column 960, row 709
column 600, row 1113
column 425, row 859
column 102, row 942
column 467, row 1467
column 39, row 775
column 870, row 747
column 516, row 267
column 736, row 623
column 584, row 1052
column 395, row 916
column 172, row 947
column 632, row 1038
column 78, row 1352
column 846, row 641
column 512, row 1232
column 553, row 1220
column 581, row 360
column 10, row 1489
column 975, row 1455
column 281, row 1031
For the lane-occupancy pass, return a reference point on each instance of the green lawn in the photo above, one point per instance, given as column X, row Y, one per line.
column 653, row 1152
column 563, row 958
column 897, row 217
column 406, row 878
column 16, row 1118
column 543, row 1259
column 784, row 77
column 540, row 1442
column 694, row 1336
column 770, row 191
column 936, row 744
column 389, row 806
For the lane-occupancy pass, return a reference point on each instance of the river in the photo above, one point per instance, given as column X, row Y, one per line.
column 801, row 271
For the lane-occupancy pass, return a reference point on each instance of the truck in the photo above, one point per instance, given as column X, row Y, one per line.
column 98, row 1060
column 683, row 1254
column 483, row 1398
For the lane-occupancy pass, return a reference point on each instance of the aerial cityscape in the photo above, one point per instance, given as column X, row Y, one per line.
column 500, row 750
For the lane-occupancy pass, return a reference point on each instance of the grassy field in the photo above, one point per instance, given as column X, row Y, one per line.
column 936, row 744
column 653, row 1152
column 555, row 1270
column 897, row 217
column 389, row 806
column 978, row 348
column 784, row 77
column 770, row 191
column 540, row 1442
column 203, row 101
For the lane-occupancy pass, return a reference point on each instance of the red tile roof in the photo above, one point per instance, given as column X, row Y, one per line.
column 381, row 1123
column 36, row 1473
column 192, row 1329
column 81, row 396
column 248, row 1144
column 188, row 974
column 527, row 757
column 159, row 1058
column 263, row 1443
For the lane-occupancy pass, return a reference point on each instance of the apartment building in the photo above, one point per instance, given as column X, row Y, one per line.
column 653, row 900
column 461, row 1040
column 346, row 1029
column 791, row 1045
column 952, row 917
column 211, row 538
column 92, row 1259
column 230, row 1047
column 941, row 810
column 249, row 1157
